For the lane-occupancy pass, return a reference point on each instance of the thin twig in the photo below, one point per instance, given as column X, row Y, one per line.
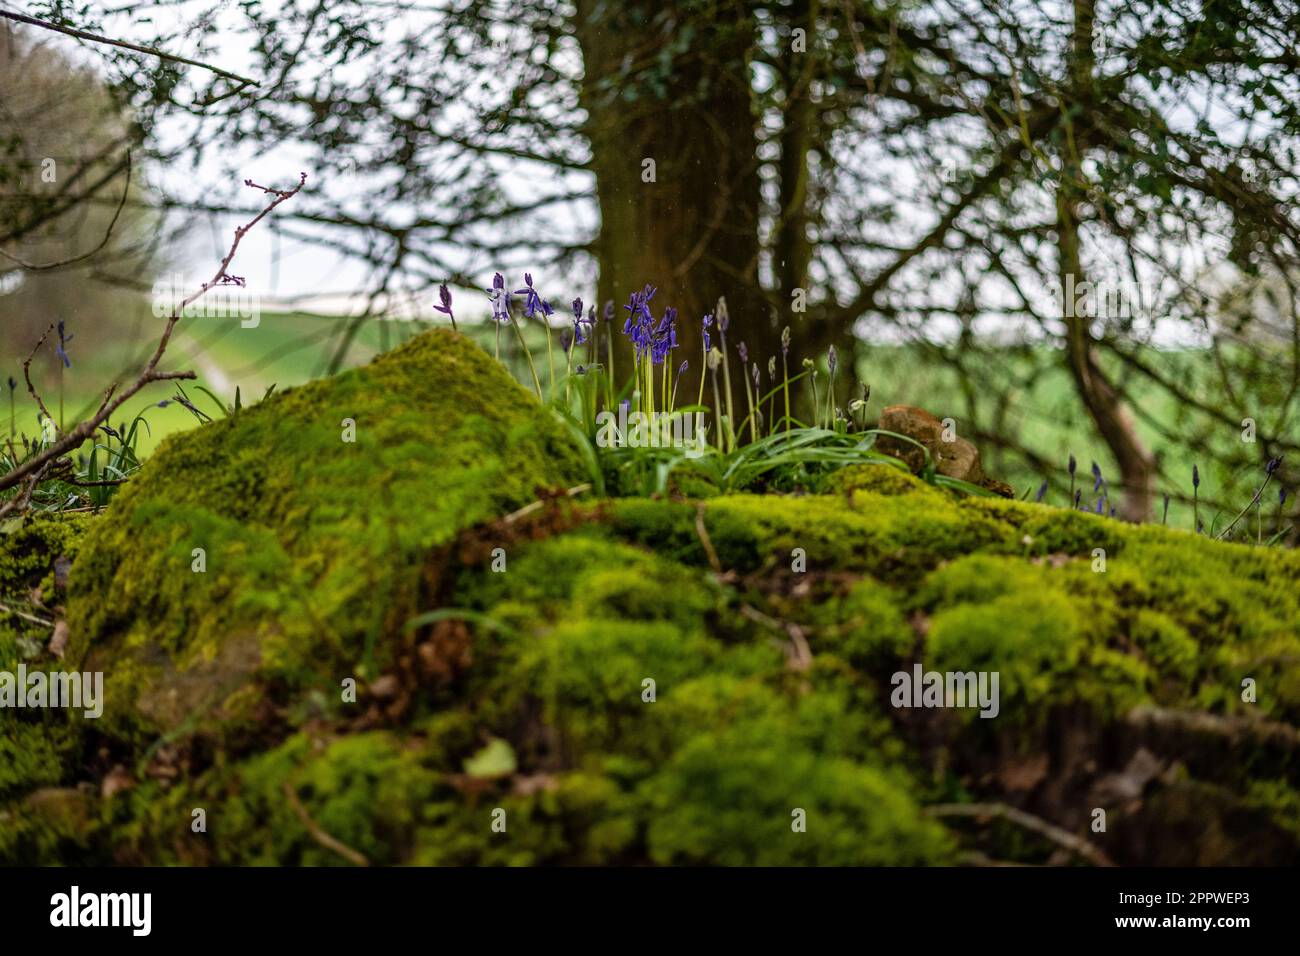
column 134, row 47
column 530, row 508
column 319, row 835
column 1019, row 817
column 149, row 373
column 6, row 609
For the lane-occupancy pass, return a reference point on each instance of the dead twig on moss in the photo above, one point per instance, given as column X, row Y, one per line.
column 319, row 835
column 541, row 502
column 1051, row 831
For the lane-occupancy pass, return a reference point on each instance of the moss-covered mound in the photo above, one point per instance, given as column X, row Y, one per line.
column 630, row 681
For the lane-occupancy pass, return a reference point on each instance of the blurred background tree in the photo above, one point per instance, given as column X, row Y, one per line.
column 906, row 180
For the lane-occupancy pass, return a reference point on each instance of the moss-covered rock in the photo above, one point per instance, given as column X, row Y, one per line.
column 288, row 539
column 672, row 681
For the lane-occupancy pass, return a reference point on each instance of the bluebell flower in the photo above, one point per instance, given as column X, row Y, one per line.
column 444, row 296
column 500, row 299
column 664, row 338
column 832, row 360
column 1196, row 477
column 1042, row 491
column 532, row 301
column 1073, row 465
column 1273, row 464
column 61, row 348
column 744, row 353
column 1097, row 479
column 704, row 329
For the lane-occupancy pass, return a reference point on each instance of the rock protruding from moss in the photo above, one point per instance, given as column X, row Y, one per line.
column 292, row 537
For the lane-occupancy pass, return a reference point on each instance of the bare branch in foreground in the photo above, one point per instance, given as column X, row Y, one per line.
column 112, row 402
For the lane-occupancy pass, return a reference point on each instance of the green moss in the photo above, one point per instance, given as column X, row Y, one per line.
column 318, row 552
column 315, row 548
column 734, row 797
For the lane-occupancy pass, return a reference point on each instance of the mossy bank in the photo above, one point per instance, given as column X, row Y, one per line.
column 623, row 681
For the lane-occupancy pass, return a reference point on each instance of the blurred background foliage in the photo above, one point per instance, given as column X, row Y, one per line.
column 919, row 175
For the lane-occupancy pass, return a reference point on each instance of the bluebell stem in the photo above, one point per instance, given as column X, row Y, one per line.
column 444, row 297
column 785, row 373
column 705, row 323
column 1042, row 491
column 681, row 370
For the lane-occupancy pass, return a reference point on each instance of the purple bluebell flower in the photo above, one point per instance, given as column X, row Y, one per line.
column 1042, row 491
column 1273, row 464
column 832, row 360
column 754, row 374
column 444, row 296
column 647, row 336
column 567, row 338
column 62, row 347
column 744, row 353
column 664, row 337
column 704, row 329
column 609, row 311
column 533, row 303
column 1099, row 501
column 681, row 369
column 1078, row 497
column 581, row 326
column 1073, row 465
column 1096, row 475
column 1196, row 477
column 500, row 299
column 1281, row 492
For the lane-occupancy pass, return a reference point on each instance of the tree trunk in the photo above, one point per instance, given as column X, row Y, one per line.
column 654, row 91
column 1099, row 395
